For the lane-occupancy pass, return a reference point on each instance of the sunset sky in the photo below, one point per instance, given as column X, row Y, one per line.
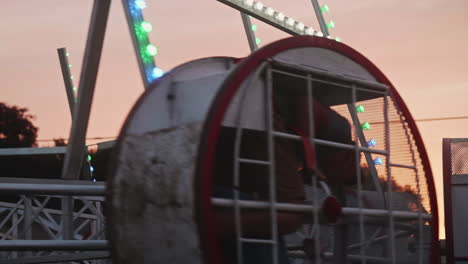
column 421, row 45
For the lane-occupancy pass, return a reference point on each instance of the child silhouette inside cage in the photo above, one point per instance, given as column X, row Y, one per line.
column 334, row 165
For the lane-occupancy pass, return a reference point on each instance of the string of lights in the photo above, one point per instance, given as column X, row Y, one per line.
column 272, row 17
column 145, row 50
column 331, row 23
column 372, row 143
column 72, row 78
column 257, row 39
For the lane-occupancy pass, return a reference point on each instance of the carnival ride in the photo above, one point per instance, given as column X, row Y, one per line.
column 161, row 207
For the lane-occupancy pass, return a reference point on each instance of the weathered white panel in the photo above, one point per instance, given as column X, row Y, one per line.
column 249, row 103
column 324, row 59
column 183, row 95
column 192, row 99
column 152, row 201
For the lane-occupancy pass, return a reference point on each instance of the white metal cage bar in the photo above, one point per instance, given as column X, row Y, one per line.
column 237, row 160
column 362, row 235
column 271, row 157
column 389, row 183
column 221, row 202
column 362, row 213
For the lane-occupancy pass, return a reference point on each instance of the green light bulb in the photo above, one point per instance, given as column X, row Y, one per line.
column 146, row 26
column 360, row 109
column 338, row 39
column 89, row 157
column 324, row 9
column 69, row 65
column 331, row 24
column 151, row 50
column 258, row 40
column 68, row 54
column 254, row 27
column 72, row 77
column 74, row 89
column 366, row 126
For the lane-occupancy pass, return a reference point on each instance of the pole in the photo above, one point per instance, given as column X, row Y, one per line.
column 75, row 149
column 321, row 20
column 248, row 31
column 67, row 77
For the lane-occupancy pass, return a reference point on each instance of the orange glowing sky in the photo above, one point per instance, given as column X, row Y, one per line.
column 421, row 45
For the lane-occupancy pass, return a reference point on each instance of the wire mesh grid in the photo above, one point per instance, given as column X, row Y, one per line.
column 459, row 152
column 388, row 180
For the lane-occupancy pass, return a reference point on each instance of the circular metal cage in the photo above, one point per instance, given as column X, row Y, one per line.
column 302, row 152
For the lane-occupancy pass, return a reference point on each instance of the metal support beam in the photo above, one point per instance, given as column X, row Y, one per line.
column 68, row 245
column 321, row 20
column 306, row 208
column 27, row 221
column 49, row 189
column 362, row 140
column 67, row 218
column 249, row 32
column 59, row 258
column 350, row 258
column 64, row 66
column 295, row 29
column 106, row 145
column 92, row 56
column 32, row 151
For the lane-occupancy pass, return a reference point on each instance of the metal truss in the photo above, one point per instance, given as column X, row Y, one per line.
column 32, row 226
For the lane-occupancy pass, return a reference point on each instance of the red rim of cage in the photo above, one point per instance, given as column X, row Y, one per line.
column 204, row 164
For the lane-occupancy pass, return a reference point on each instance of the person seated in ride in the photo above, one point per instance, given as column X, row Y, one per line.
column 289, row 156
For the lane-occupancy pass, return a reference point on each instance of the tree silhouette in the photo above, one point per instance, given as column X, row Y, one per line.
column 59, row 142
column 367, row 184
column 16, row 127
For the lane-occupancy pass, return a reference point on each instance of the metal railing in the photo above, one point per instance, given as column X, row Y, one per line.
column 32, row 226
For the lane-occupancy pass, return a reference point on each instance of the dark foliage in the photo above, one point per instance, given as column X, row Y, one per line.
column 16, row 127
column 18, row 131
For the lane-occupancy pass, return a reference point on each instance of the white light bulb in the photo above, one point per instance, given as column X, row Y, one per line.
column 248, row 2
column 319, row 34
column 258, row 6
column 329, row 37
column 280, row 17
column 309, row 31
column 300, row 26
column 141, row 4
column 269, row 11
column 290, row 22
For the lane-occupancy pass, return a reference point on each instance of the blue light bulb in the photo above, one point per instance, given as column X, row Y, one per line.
column 157, row 73
column 378, row 161
column 91, row 168
column 94, row 180
column 371, row 143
